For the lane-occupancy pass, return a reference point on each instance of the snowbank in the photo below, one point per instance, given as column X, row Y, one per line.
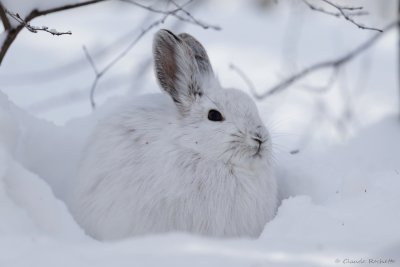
column 339, row 205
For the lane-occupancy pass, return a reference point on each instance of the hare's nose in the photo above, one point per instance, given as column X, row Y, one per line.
column 258, row 140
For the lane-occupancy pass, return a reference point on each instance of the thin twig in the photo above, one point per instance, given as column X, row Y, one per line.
column 34, row 29
column 195, row 21
column 335, row 64
column 320, row 9
column 174, row 12
column 347, row 12
column 96, row 73
column 152, row 9
column 90, row 59
column 342, row 10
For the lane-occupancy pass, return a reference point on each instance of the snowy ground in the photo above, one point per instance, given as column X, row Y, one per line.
column 340, row 191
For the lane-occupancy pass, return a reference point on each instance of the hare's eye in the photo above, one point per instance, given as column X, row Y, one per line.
column 215, row 115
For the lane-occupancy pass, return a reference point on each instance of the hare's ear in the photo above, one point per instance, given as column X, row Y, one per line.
column 199, row 52
column 176, row 69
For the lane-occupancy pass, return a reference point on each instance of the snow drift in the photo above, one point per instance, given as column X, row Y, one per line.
column 337, row 206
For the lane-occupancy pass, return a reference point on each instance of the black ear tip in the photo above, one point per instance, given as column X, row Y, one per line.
column 165, row 31
column 168, row 31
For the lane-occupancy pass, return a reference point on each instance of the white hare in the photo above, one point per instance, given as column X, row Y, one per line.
column 196, row 159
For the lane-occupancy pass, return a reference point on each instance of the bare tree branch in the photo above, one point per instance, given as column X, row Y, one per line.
column 342, row 10
column 152, row 9
column 37, row 13
column 12, row 32
column 34, row 29
column 96, row 73
column 347, row 12
column 4, row 19
column 195, row 21
column 10, row 37
column 320, row 9
column 335, row 64
column 174, row 12
column 90, row 59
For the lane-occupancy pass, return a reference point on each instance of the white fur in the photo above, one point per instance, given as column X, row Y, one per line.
column 151, row 167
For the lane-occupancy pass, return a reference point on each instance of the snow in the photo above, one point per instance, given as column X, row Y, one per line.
column 340, row 199
column 344, row 206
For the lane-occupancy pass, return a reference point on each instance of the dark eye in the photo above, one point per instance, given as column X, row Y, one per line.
column 215, row 115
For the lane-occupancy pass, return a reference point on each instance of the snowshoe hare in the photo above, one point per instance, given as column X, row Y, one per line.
column 196, row 158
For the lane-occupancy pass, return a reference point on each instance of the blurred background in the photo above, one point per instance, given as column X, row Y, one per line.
column 268, row 41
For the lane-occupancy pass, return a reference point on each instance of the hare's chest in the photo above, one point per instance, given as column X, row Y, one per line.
column 228, row 205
